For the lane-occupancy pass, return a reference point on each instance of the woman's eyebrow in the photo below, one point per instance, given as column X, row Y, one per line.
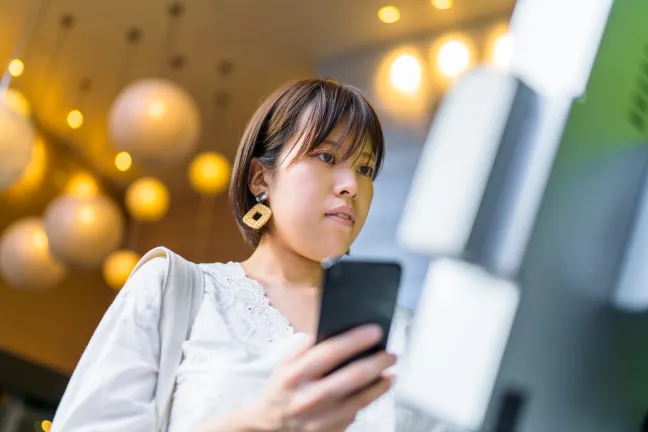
column 368, row 155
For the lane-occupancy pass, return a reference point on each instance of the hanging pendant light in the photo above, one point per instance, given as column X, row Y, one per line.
column 17, row 133
column 155, row 120
column 16, row 144
column 83, row 230
column 25, row 259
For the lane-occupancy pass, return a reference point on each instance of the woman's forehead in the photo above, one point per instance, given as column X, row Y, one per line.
column 349, row 138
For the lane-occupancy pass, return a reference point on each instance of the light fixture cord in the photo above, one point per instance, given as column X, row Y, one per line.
column 66, row 24
column 175, row 11
column 133, row 36
column 34, row 16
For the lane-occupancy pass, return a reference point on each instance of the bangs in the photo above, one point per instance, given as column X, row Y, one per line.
column 310, row 110
column 333, row 105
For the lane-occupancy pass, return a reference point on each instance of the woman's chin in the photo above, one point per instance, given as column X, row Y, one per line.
column 333, row 254
column 326, row 254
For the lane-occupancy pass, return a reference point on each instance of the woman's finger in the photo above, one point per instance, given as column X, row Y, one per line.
column 339, row 416
column 301, row 350
column 341, row 384
column 330, row 423
column 324, row 356
column 367, row 396
column 357, row 375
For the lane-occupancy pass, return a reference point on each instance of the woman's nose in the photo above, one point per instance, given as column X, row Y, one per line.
column 346, row 182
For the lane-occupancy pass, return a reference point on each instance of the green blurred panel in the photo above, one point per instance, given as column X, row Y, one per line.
column 600, row 122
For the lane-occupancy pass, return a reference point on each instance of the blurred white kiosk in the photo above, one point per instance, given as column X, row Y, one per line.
column 529, row 199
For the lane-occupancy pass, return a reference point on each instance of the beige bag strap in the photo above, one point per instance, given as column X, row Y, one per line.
column 183, row 292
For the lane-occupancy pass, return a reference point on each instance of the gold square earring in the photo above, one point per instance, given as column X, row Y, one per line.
column 258, row 215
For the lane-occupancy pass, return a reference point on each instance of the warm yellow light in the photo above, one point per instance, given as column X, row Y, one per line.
column 453, row 58
column 25, row 259
column 46, row 425
column 87, row 215
column 388, row 14
column 75, row 119
column 39, row 240
column 82, row 232
column 405, row 73
column 441, row 4
column 82, row 185
column 32, row 177
column 16, row 67
column 147, row 199
column 123, row 161
column 16, row 101
column 209, row 173
column 156, row 121
column 502, row 51
column 400, row 86
column 156, row 109
column 118, row 267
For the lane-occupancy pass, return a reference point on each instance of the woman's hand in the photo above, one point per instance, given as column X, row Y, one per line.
column 299, row 397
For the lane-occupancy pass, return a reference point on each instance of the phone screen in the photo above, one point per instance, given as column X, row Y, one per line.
column 355, row 293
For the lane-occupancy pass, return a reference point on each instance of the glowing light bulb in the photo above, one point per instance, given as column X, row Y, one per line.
column 388, row 14
column 405, row 73
column 156, row 109
column 453, row 58
column 87, row 215
column 123, row 161
column 441, row 4
column 16, row 101
column 502, row 51
column 209, row 173
column 147, row 199
column 118, row 266
column 16, row 67
column 75, row 119
column 82, row 185
column 39, row 240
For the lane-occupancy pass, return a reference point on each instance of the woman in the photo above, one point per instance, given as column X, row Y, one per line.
column 310, row 154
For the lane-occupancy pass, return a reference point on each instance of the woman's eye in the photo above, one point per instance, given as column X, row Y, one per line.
column 366, row 171
column 326, row 158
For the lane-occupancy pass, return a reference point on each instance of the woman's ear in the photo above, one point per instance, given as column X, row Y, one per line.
column 258, row 177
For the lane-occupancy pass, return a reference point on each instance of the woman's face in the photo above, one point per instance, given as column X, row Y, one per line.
column 319, row 202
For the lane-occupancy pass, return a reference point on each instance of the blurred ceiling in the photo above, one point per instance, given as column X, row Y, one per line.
column 267, row 42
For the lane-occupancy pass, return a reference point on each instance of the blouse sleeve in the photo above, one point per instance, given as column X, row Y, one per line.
column 113, row 385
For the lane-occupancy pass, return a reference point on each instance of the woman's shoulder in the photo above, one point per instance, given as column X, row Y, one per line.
column 147, row 278
column 143, row 290
column 153, row 267
column 150, row 275
column 223, row 273
column 227, row 284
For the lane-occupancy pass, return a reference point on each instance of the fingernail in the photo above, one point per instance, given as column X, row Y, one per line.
column 373, row 331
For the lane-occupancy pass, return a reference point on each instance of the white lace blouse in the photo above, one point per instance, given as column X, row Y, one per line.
column 236, row 341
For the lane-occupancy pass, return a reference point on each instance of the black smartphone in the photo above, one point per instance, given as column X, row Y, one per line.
column 355, row 293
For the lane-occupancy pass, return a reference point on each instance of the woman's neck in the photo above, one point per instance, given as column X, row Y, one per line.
column 291, row 282
column 274, row 264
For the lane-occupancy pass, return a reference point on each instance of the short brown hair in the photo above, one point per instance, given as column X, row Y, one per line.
column 327, row 103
